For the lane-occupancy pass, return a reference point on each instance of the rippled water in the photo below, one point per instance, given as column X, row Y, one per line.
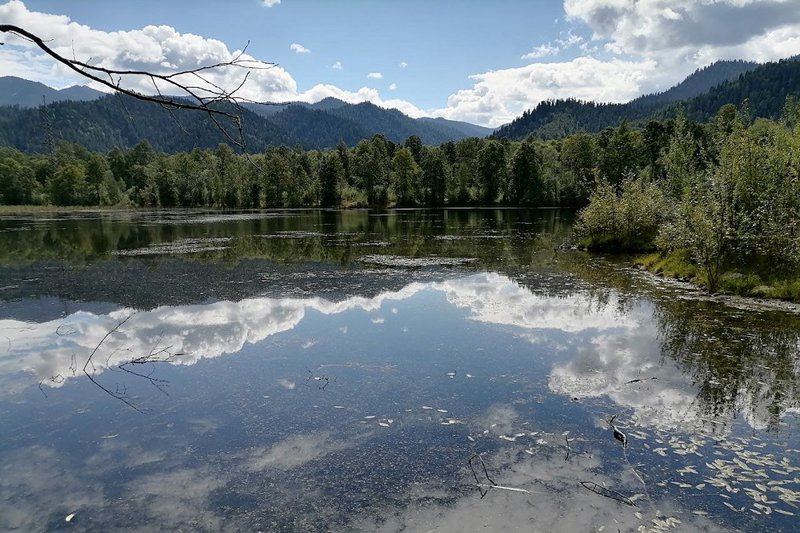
column 409, row 370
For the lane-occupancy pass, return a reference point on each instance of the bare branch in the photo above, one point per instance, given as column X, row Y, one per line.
column 191, row 97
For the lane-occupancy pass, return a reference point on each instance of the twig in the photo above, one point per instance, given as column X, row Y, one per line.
column 637, row 380
column 608, row 493
column 484, row 488
column 117, row 394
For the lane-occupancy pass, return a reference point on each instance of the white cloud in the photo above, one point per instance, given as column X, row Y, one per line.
column 364, row 94
column 649, row 45
column 299, row 49
column 501, row 95
column 270, row 3
column 213, row 330
column 286, row 384
column 688, row 32
column 337, row 66
column 156, row 49
column 393, row 87
column 403, row 64
column 153, row 48
column 541, row 51
column 375, row 75
column 293, row 451
column 550, row 49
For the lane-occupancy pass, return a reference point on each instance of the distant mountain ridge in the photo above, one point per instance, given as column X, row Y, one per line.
column 361, row 121
column 26, row 93
column 700, row 81
column 123, row 121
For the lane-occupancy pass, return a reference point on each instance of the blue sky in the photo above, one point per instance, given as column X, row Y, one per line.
column 480, row 61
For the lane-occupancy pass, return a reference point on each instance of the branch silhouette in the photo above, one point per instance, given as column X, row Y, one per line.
column 203, row 95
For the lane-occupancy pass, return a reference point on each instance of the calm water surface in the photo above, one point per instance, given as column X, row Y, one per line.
column 362, row 371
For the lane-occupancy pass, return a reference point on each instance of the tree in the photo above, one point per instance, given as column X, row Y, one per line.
column 434, row 177
column 406, row 177
column 619, row 152
column 578, row 159
column 491, row 171
column 414, row 145
column 330, row 177
column 680, row 159
column 344, row 159
column 525, row 186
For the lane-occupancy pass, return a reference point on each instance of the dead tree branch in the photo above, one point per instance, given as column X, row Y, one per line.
column 209, row 98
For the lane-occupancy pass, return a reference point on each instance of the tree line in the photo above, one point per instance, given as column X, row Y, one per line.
column 375, row 172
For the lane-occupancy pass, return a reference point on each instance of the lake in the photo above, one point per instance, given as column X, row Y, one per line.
column 405, row 370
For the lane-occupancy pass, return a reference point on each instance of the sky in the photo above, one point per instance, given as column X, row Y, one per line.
column 477, row 61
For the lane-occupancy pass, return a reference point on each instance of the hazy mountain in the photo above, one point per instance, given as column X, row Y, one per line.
column 319, row 125
column 315, row 128
column 26, row 93
column 457, row 127
column 360, row 121
column 120, row 122
column 699, row 82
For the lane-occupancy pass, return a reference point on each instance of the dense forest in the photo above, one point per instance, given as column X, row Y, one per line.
column 374, row 172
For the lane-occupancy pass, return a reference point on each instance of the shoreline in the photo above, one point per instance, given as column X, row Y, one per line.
column 743, row 289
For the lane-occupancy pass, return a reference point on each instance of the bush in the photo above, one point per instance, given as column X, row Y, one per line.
column 627, row 221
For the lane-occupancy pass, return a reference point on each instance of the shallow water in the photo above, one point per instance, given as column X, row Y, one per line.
column 316, row 371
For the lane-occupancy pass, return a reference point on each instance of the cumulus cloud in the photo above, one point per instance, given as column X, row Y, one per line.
column 646, row 46
column 393, row 87
column 364, row 94
column 270, row 3
column 658, row 25
column 298, row 48
column 541, row 51
column 403, row 64
column 152, row 48
column 337, row 66
column 375, row 75
column 499, row 96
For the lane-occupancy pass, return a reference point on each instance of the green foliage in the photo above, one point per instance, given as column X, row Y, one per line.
column 492, row 171
column 625, row 221
column 525, row 185
column 405, row 176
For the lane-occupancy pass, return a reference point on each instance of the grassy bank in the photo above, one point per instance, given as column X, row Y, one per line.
column 749, row 283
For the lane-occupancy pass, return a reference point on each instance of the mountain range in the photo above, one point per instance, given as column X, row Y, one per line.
column 101, row 122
